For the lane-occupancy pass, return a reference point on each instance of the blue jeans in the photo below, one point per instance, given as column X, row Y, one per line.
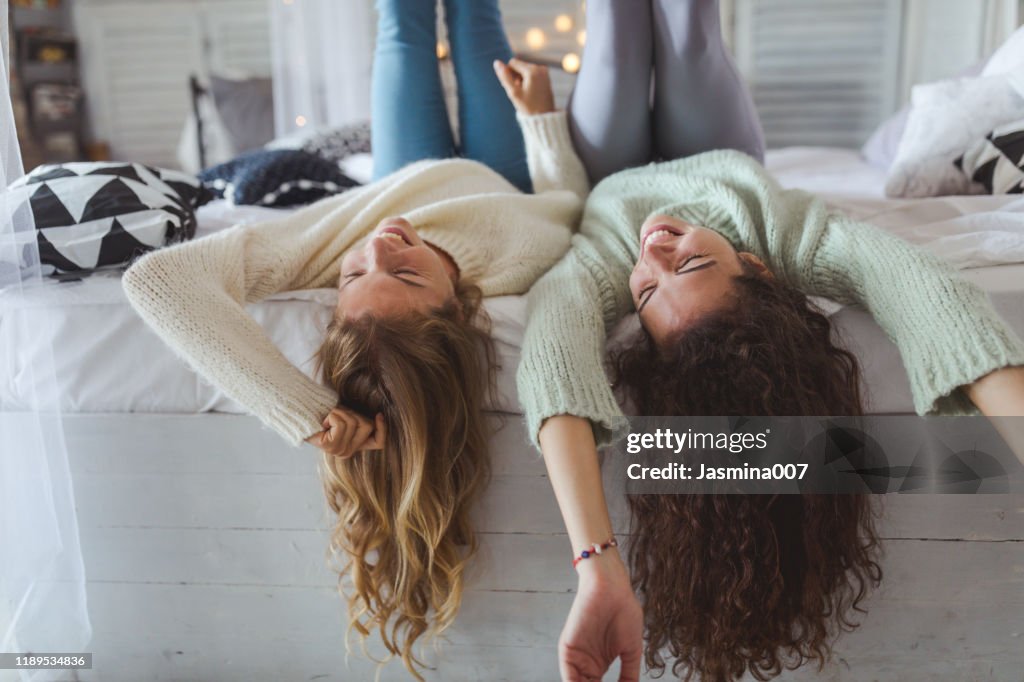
column 410, row 121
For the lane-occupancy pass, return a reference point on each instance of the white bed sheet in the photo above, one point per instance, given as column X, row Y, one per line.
column 967, row 231
column 108, row 360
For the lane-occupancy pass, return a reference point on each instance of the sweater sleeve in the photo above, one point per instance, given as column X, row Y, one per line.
column 945, row 327
column 550, row 155
column 193, row 295
column 571, row 310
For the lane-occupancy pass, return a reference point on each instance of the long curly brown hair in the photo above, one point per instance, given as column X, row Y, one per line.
column 758, row 583
column 403, row 515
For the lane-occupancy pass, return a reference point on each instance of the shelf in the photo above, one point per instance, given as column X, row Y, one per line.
column 29, row 16
column 36, row 72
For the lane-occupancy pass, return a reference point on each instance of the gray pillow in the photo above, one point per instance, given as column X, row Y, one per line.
column 246, row 107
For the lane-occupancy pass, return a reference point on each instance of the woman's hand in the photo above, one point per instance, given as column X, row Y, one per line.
column 605, row 623
column 527, row 85
column 346, row 433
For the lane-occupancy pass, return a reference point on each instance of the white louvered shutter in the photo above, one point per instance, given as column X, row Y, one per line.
column 136, row 61
column 137, row 56
column 237, row 37
column 823, row 72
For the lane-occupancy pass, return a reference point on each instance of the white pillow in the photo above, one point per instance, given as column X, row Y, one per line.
column 218, row 142
column 359, row 167
column 880, row 149
column 945, row 119
column 1009, row 57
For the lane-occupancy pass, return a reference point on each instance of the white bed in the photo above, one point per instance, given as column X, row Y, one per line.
column 203, row 534
column 982, row 233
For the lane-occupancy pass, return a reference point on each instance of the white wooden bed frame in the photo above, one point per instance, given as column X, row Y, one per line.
column 204, row 540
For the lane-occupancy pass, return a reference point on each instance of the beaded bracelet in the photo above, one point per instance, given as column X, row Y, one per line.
column 595, row 549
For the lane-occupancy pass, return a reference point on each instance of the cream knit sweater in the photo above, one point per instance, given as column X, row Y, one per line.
column 193, row 294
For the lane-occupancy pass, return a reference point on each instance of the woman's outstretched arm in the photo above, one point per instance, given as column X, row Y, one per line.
column 948, row 334
column 567, row 398
column 960, row 356
column 550, row 154
column 570, row 408
column 193, row 296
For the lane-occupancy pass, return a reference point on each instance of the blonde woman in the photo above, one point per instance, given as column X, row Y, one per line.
column 406, row 361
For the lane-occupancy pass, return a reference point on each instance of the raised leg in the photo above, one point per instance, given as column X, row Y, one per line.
column 488, row 130
column 700, row 100
column 410, row 121
column 609, row 110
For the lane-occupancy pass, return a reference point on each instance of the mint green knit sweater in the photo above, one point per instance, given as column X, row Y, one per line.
column 945, row 327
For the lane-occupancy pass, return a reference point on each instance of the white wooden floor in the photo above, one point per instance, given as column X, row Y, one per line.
column 204, row 543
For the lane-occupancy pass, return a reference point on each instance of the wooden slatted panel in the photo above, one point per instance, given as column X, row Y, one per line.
column 822, row 73
column 237, row 36
column 938, row 626
column 204, row 543
column 137, row 61
column 138, row 56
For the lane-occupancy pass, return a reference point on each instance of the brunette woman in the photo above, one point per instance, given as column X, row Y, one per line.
column 718, row 261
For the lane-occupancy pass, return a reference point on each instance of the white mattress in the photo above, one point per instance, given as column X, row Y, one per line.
column 107, row 359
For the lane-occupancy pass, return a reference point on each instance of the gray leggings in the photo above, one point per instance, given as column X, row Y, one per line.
column 700, row 100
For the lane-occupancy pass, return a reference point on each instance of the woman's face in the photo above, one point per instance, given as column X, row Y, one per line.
column 683, row 273
column 393, row 271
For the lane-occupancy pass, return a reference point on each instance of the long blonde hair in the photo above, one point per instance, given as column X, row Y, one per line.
column 409, row 505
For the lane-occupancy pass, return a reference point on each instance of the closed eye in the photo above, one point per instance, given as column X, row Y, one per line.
column 643, row 301
column 679, row 271
column 350, row 276
column 685, row 262
column 400, row 275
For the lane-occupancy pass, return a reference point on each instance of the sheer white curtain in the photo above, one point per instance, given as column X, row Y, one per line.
column 42, row 579
column 943, row 37
column 322, row 61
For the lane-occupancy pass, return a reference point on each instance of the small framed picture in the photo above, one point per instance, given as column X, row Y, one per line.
column 50, row 47
column 55, row 102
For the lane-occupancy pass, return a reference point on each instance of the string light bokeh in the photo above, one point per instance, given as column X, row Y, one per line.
column 559, row 40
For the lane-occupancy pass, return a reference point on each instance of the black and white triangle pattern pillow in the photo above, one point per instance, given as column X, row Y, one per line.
column 997, row 161
column 95, row 215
